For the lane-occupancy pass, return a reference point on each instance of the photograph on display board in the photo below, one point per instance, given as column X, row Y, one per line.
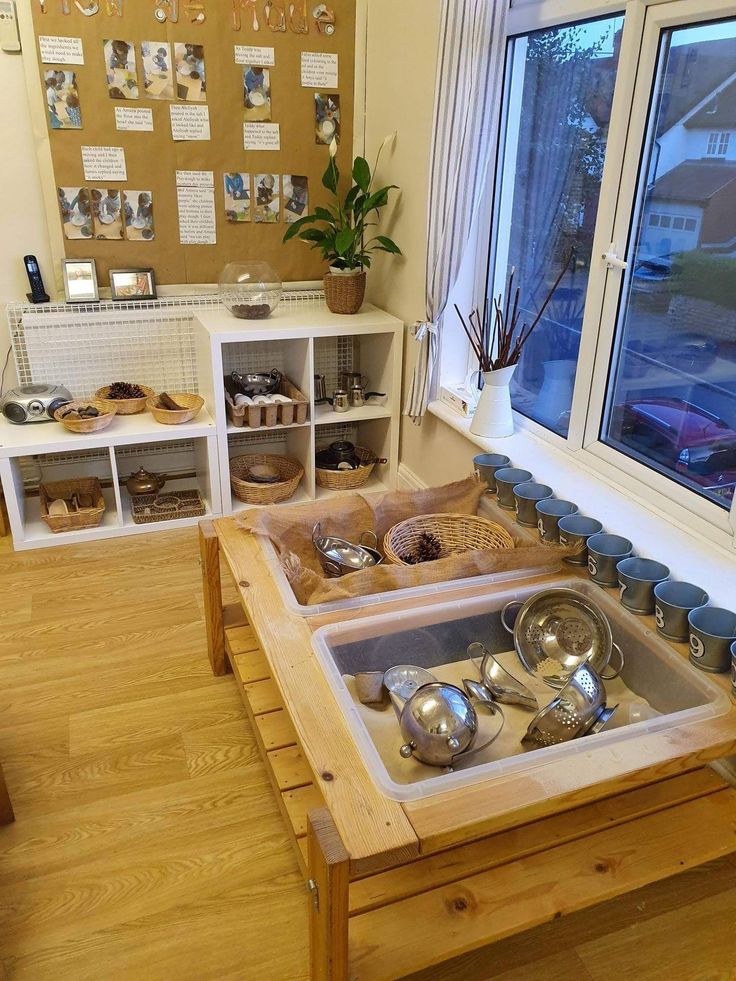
column 62, row 99
column 257, row 94
column 107, row 212
column 296, row 197
column 190, row 74
column 237, row 197
column 268, row 198
column 76, row 212
column 158, row 77
column 138, row 208
column 327, row 116
column 122, row 76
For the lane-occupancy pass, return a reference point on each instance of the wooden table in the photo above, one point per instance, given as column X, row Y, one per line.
column 397, row 887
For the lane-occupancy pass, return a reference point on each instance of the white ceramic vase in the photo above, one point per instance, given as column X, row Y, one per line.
column 493, row 417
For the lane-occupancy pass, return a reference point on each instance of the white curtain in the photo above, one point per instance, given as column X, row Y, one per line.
column 464, row 140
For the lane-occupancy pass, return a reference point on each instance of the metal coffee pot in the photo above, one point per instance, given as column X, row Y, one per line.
column 359, row 396
column 143, row 482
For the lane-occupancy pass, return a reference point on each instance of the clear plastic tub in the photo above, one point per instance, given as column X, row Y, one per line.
column 432, row 635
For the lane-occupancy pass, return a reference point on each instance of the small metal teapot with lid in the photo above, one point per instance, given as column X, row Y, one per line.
column 144, row 482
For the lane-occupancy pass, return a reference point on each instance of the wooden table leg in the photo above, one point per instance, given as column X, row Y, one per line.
column 329, row 881
column 209, row 550
column 6, row 808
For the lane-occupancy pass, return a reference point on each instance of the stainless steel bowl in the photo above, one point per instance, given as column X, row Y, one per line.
column 257, row 383
column 338, row 557
column 579, row 708
column 557, row 630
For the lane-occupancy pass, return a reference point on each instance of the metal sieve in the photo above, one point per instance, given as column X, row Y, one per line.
column 579, row 709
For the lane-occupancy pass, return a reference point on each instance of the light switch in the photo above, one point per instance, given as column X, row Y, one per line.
column 9, row 36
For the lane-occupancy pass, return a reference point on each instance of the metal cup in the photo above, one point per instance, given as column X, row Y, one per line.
column 637, row 579
column 604, row 554
column 340, row 400
column 712, row 635
column 526, row 496
column 357, row 396
column 506, row 479
column 733, row 671
column 549, row 513
column 486, row 465
column 673, row 603
column 575, row 530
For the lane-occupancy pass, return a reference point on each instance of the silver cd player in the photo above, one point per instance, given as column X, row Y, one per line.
column 34, row 403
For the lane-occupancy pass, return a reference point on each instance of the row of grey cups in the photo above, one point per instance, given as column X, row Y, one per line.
column 645, row 588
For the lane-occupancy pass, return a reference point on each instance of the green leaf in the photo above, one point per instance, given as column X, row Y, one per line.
column 313, row 235
column 344, row 240
column 362, row 173
column 324, row 214
column 388, row 245
column 351, row 197
column 297, row 226
column 377, row 200
column 331, row 177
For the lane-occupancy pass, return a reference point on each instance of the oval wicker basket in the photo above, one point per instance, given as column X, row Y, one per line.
column 126, row 407
column 251, row 492
column 455, row 533
column 191, row 407
column 94, row 425
column 348, row 479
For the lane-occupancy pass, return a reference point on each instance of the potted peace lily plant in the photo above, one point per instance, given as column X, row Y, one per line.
column 341, row 232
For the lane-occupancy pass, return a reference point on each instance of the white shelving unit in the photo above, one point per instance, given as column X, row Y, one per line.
column 190, row 344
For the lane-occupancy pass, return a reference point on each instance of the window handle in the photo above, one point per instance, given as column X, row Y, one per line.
column 613, row 260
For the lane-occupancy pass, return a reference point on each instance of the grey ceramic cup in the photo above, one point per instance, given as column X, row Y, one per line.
column 549, row 513
column 712, row 634
column 527, row 495
column 637, row 579
column 486, row 465
column 506, row 479
column 733, row 671
column 673, row 602
column 575, row 530
column 604, row 554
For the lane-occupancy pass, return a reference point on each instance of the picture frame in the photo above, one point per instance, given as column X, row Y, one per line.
column 132, row 284
column 80, row 280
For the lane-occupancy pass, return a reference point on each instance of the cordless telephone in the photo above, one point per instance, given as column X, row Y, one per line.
column 38, row 294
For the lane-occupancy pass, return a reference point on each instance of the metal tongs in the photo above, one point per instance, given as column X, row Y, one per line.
column 280, row 10
column 299, row 20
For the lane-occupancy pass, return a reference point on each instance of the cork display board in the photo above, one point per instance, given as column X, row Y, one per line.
column 169, row 63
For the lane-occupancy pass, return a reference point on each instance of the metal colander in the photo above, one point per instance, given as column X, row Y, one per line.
column 579, row 708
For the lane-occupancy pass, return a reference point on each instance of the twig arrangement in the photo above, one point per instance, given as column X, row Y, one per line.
column 497, row 329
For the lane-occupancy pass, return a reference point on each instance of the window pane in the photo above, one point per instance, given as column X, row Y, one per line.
column 672, row 395
column 559, row 106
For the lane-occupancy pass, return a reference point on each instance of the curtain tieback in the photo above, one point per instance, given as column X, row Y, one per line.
column 422, row 327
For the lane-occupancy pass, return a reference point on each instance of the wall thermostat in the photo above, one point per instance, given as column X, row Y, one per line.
column 9, row 36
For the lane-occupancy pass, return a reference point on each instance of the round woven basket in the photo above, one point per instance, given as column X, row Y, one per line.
column 348, row 479
column 191, row 406
column 251, row 492
column 455, row 533
column 94, row 425
column 344, row 294
column 126, row 407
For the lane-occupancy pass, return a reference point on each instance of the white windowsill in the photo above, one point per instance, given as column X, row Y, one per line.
column 689, row 557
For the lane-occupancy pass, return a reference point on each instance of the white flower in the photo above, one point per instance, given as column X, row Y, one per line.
column 389, row 141
column 333, row 147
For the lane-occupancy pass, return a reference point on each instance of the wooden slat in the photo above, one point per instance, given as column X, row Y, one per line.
column 263, row 696
column 209, row 553
column 298, row 804
column 241, row 639
column 328, row 915
column 6, row 808
column 488, row 853
column 487, row 907
column 276, row 730
column 233, row 615
column 250, row 667
column 374, row 829
column 290, row 769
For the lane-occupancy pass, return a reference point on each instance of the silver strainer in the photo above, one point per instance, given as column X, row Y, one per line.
column 579, row 708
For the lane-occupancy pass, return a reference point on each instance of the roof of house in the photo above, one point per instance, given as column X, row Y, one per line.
column 695, row 181
column 718, row 113
column 693, row 71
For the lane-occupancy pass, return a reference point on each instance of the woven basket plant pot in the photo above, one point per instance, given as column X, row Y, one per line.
column 344, row 293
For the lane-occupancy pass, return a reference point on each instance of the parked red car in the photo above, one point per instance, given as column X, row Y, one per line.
column 680, row 436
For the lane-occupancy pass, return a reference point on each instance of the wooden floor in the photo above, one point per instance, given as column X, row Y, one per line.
column 148, row 844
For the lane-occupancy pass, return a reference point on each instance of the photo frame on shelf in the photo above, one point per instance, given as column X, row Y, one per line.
column 132, row 284
column 80, row 280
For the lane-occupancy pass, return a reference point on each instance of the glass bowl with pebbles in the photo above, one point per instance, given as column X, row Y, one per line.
column 85, row 415
column 250, row 290
column 128, row 398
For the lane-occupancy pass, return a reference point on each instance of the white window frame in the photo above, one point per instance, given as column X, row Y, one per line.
column 618, row 211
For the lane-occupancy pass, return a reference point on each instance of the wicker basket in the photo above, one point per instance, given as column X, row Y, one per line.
column 149, row 508
column 107, row 412
column 275, row 414
column 126, row 407
column 250, row 492
column 64, row 490
column 456, row 533
column 348, row 479
column 191, row 407
column 344, row 294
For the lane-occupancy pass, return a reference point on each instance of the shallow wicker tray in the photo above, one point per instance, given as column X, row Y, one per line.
column 65, row 489
column 192, row 406
column 108, row 410
column 250, row 492
column 126, row 407
column 276, row 414
column 147, row 508
column 348, row 479
column 455, row 532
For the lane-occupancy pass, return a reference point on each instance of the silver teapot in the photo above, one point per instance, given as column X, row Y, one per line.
column 440, row 724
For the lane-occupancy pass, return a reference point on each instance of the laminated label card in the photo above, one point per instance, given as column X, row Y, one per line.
column 60, row 50
column 197, row 224
column 319, row 70
column 247, row 54
column 104, row 163
column 128, row 118
column 195, row 178
column 261, row 136
column 189, row 122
